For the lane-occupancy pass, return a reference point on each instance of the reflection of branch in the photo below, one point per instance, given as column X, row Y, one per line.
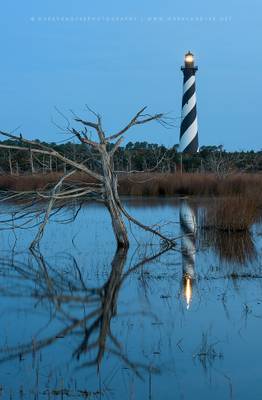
column 63, row 290
column 146, row 260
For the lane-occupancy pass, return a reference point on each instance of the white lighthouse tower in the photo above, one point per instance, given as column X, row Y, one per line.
column 189, row 126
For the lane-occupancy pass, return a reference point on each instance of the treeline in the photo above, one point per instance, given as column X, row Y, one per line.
column 138, row 156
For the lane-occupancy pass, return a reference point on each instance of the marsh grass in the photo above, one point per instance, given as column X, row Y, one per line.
column 154, row 184
column 231, row 214
column 225, row 225
column 200, row 184
column 235, row 204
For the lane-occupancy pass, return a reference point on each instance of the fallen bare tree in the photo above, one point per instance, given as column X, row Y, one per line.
column 103, row 184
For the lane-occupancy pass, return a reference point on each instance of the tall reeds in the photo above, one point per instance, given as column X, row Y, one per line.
column 156, row 184
column 167, row 184
column 231, row 214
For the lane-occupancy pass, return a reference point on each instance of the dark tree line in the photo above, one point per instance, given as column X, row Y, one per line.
column 138, row 156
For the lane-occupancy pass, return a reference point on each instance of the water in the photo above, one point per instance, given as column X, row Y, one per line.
column 184, row 325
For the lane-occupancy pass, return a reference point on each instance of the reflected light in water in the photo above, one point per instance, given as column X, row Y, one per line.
column 188, row 290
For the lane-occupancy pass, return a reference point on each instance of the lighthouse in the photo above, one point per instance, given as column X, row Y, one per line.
column 189, row 126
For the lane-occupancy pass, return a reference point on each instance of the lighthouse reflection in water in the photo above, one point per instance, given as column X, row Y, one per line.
column 188, row 248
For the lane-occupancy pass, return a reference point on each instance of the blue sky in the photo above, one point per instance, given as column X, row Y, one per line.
column 117, row 67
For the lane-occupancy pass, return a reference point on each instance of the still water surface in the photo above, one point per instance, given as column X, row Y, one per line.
column 79, row 321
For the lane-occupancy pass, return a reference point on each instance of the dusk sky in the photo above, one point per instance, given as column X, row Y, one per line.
column 116, row 67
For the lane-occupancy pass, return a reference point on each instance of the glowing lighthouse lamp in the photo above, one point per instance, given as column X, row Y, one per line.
column 189, row 126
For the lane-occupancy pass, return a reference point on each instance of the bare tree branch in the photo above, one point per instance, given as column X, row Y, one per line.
column 54, row 153
column 48, row 210
column 136, row 120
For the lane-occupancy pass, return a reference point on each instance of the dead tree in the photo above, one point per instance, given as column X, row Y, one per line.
column 105, row 181
column 225, row 164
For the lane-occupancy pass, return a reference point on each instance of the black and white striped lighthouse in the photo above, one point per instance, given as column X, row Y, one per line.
column 189, row 126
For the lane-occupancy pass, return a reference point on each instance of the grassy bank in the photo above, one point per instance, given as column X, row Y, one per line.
column 154, row 184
